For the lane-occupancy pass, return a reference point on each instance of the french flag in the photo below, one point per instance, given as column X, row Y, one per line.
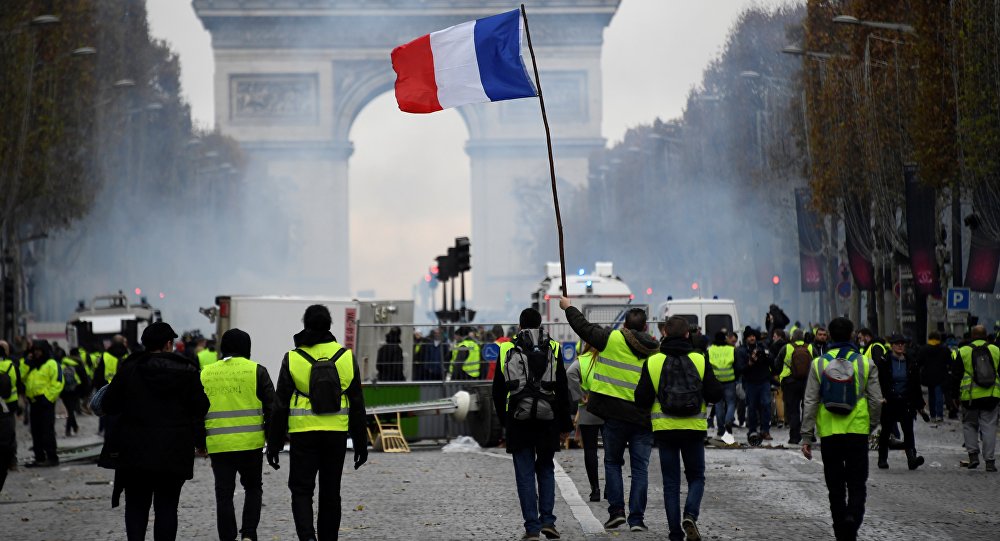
column 473, row 62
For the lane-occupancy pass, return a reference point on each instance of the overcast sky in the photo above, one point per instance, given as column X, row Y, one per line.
column 654, row 52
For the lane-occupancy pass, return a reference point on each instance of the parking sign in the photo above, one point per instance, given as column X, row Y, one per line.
column 958, row 298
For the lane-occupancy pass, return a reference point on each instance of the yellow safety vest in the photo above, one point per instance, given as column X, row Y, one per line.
column 46, row 380
column 856, row 422
column 786, row 369
column 587, row 370
column 7, row 367
column 471, row 364
column 86, row 359
column 663, row 421
column 971, row 391
column 722, row 359
column 235, row 419
column 110, row 366
column 617, row 371
column 300, row 416
column 873, row 345
column 73, row 363
column 206, row 357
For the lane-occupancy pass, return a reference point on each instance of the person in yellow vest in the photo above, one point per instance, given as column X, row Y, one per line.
column 43, row 384
column 206, row 353
column 722, row 357
column 107, row 367
column 797, row 358
column 9, row 409
column 318, row 403
column 835, row 379
column 465, row 357
column 870, row 346
column 531, row 398
column 580, row 375
column 160, row 403
column 74, row 383
column 679, row 435
column 612, row 398
column 979, row 397
column 241, row 398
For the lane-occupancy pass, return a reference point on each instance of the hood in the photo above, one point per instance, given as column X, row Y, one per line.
column 164, row 373
column 677, row 347
column 642, row 344
column 309, row 337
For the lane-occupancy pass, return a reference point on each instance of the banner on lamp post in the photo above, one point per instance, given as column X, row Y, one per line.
column 811, row 259
column 921, row 232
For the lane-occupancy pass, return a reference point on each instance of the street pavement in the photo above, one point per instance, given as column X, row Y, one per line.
column 427, row 494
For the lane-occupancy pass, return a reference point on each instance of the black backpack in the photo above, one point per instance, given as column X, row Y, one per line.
column 324, row 382
column 984, row 372
column 527, row 364
column 680, row 388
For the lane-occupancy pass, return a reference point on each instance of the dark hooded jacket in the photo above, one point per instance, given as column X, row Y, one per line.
column 642, row 345
column 161, row 406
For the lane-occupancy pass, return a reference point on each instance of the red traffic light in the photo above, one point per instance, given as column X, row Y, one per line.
column 649, row 291
column 138, row 291
column 427, row 277
column 694, row 286
column 434, row 269
column 775, row 279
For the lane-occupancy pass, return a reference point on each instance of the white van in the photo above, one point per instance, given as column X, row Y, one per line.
column 712, row 315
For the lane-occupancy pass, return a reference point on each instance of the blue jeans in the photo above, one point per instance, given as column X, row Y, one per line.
column 536, row 505
column 725, row 411
column 935, row 399
column 758, row 406
column 618, row 434
column 693, row 454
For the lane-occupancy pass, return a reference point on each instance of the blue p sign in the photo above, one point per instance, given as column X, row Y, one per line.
column 958, row 298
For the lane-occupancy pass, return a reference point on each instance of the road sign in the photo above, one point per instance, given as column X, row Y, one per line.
column 844, row 289
column 568, row 351
column 491, row 352
column 958, row 298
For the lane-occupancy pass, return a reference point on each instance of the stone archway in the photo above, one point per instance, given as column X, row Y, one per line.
column 292, row 76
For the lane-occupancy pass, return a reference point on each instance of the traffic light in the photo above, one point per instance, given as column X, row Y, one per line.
column 445, row 265
column 776, row 280
column 463, row 259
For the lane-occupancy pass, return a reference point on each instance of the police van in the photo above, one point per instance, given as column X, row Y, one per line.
column 106, row 316
column 712, row 315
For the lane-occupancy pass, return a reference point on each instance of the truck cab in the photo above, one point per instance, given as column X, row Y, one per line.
column 106, row 316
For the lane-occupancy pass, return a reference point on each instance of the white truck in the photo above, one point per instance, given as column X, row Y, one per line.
column 272, row 320
column 106, row 316
column 601, row 296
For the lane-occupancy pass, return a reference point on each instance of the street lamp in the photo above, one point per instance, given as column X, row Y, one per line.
column 898, row 27
column 45, row 20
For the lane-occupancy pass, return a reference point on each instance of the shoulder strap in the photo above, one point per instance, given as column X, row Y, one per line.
column 312, row 360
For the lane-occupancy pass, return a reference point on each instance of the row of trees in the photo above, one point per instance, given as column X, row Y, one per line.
column 98, row 153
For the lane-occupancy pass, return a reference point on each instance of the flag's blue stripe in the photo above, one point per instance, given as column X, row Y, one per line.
column 498, row 51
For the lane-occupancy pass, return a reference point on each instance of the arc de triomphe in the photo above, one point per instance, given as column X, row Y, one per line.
column 292, row 75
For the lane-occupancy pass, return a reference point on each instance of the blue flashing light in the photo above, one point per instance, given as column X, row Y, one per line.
column 589, row 283
column 581, row 272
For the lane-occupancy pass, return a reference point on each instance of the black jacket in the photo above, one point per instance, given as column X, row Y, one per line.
column 641, row 344
column 540, row 435
column 913, row 397
column 356, row 417
column 645, row 395
column 933, row 361
column 161, row 408
column 753, row 369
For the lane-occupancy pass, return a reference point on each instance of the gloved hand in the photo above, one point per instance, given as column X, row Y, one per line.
column 272, row 457
column 360, row 457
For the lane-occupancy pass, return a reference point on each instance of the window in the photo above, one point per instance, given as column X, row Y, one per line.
column 717, row 322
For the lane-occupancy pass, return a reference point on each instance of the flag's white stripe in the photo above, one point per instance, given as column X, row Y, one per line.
column 455, row 67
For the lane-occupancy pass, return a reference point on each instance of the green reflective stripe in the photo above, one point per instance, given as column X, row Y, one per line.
column 661, row 415
column 300, row 412
column 619, row 364
column 615, row 382
column 231, row 414
column 233, row 430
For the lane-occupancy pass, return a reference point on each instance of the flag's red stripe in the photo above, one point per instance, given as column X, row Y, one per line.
column 416, row 89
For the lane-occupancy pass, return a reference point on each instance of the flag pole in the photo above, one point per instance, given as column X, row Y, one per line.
column 548, row 142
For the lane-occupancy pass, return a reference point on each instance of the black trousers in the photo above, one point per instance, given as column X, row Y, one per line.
column 43, row 429
column 72, row 402
column 315, row 453
column 793, row 392
column 163, row 494
column 225, row 466
column 8, row 445
column 845, row 467
column 895, row 411
column 588, row 433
